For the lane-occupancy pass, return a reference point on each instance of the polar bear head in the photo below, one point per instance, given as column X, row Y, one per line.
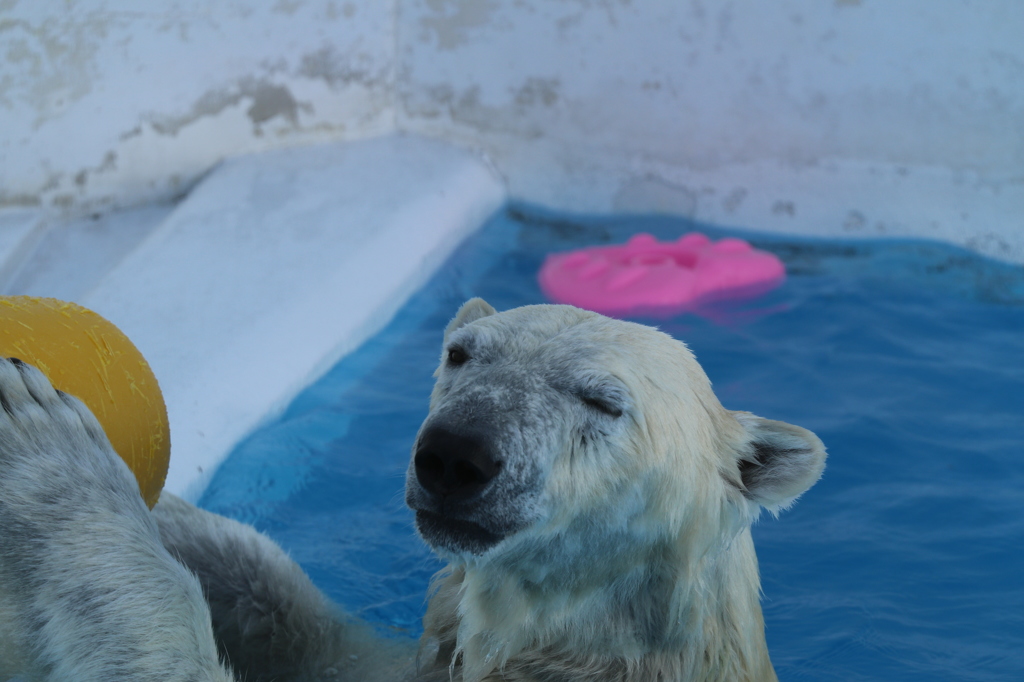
column 593, row 497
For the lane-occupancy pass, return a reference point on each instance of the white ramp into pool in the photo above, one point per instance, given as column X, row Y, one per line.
column 275, row 266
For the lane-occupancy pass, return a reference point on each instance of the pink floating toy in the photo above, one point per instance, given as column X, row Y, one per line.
column 645, row 276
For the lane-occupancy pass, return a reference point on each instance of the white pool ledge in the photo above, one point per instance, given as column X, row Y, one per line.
column 274, row 267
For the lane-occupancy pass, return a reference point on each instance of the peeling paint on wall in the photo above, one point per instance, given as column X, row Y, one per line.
column 448, row 24
column 538, row 91
column 468, row 107
column 336, row 69
column 266, row 101
column 109, row 163
column 50, row 64
column 734, row 199
column 288, row 7
column 104, row 106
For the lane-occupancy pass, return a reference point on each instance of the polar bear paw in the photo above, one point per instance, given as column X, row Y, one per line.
column 36, row 413
column 52, row 448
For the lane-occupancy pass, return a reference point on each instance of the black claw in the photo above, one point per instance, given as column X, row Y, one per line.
column 3, row 398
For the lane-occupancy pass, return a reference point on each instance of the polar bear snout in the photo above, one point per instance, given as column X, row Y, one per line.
column 454, row 486
column 454, row 466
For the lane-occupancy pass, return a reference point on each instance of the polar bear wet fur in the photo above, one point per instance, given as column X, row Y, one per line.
column 591, row 495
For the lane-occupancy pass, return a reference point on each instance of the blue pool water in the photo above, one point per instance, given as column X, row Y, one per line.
column 905, row 562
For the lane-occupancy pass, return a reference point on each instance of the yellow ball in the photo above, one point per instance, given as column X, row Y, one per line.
column 86, row 356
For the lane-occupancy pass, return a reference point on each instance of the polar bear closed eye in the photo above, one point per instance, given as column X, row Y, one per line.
column 594, row 500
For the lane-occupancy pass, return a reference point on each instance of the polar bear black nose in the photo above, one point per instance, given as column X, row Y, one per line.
column 454, row 465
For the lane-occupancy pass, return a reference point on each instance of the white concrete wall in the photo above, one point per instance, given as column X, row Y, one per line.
column 849, row 117
column 109, row 103
column 845, row 117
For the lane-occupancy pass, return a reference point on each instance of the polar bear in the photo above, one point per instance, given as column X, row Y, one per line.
column 591, row 495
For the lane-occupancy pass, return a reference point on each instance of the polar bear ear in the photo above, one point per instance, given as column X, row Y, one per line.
column 779, row 462
column 471, row 311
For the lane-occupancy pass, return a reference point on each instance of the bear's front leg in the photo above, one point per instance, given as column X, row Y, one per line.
column 87, row 590
column 269, row 620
